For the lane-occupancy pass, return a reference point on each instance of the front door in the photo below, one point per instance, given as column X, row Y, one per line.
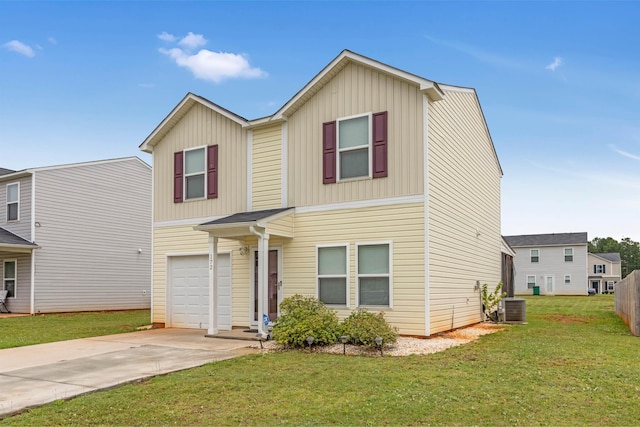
column 272, row 289
column 595, row 285
column 549, row 284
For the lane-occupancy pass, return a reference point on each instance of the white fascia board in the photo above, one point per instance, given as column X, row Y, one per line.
column 18, row 248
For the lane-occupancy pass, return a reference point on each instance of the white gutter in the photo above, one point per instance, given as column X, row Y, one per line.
column 32, row 302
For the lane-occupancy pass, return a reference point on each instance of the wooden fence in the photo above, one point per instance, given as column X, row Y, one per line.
column 627, row 301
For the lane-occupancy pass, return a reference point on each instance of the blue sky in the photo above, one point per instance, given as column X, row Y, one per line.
column 559, row 83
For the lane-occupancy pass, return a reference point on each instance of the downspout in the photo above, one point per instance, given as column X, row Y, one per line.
column 263, row 248
column 32, row 302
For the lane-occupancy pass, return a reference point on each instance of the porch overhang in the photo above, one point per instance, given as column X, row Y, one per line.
column 276, row 222
column 10, row 242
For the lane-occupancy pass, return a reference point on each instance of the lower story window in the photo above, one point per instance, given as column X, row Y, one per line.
column 567, row 279
column 531, row 282
column 374, row 274
column 9, row 278
column 332, row 274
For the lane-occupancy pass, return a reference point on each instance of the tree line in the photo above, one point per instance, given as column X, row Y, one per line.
column 628, row 249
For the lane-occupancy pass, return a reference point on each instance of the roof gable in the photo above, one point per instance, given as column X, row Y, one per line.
column 334, row 67
column 553, row 239
column 179, row 111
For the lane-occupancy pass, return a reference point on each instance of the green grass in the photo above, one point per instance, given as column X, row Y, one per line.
column 574, row 363
column 30, row 330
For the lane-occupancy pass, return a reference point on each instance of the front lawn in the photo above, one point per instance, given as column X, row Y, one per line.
column 30, row 330
column 575, row 363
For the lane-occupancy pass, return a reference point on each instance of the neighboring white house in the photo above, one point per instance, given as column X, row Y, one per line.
column 76, row 237
column 551, row 264
column 604, row 271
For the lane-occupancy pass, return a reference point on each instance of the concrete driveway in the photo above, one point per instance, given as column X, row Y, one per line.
column 35, row 375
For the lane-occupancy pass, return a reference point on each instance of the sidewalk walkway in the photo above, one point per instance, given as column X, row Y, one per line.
column 35, row 375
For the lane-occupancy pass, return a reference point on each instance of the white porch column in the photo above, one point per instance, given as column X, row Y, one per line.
column 213, row 285
column 263, row 277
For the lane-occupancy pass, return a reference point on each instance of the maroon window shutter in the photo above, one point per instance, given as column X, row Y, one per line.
column 212, row 172
column 380, row 145
column 329, row 152
column 178, row 175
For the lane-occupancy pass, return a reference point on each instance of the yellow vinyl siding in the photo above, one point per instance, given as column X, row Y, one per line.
column 267, row 167
column 402, row 225
column 464, row 210
column 178, row 240
column 356, row 89
column 202, row 126
column 282, row 226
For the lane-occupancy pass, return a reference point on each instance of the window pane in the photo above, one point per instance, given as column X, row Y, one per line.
column 12, row 193
column 373, row 259
column 10, row 285
column 333, row 291
column 354, row 163
column 9, row 270
column 568, row 251
column 374, row 291
column 194, row 161
column 12, row 212
column 354, row 132
column 332, row 260
column 195, row 186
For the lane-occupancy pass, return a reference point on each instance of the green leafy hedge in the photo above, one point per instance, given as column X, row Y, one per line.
column 303, row 317
column 363, row 327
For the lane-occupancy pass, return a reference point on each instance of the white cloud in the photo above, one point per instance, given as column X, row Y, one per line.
column 167, row 37
column 192, row 41
column 214, row 66
column 557, row 61
column 19, row 47
column 52, row 40
column 624, row 153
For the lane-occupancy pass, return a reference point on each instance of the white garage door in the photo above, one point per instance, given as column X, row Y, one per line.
column 190, row 292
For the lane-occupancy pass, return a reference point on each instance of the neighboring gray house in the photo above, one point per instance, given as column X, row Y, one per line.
column 76, row 237
column 552, row 264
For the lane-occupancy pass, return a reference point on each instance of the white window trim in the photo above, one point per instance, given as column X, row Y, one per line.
column 610, row 285
column 390, row 274
column 369, row 147
column 15, row 276
column 531, row 256
column 185, row 175
column 347, row 275
column 564, row 254
column 7, row 201
column 567, row 276
column 534, row 281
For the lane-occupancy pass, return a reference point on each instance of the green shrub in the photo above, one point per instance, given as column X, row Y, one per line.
column 303, row 317
column 363, row 327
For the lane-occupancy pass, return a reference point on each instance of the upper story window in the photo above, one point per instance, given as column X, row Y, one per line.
column 195, row 174
column 600, row 268
column 333, row 282
column 194, row 171
column 13, row 201
column 535, row 255
column 355, row 147
column 568, row 254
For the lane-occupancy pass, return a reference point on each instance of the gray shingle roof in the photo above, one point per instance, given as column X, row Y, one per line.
column 4, row 171
column 8, row 238
column 547, row 239
column 610, row 256
column 243, row 217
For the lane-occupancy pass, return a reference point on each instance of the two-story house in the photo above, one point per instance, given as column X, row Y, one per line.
column 76, row 237
column 605, row 270
column 550, row 264
column 372, row 187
